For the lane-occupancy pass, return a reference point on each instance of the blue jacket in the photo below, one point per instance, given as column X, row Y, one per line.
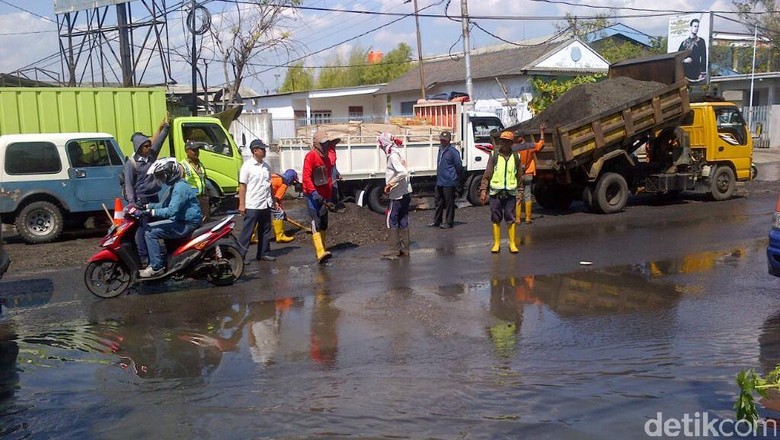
column 180, row 203
column 449, row 167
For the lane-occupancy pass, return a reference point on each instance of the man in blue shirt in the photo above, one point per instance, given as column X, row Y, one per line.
column 176, row 216
column 449, row 172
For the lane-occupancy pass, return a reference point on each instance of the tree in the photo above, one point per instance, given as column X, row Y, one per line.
column 763, row 15
column 583, row 29
column 357, row 71
column 298, row 79
column 396, row 63
column 547, row 90
column 245, row 29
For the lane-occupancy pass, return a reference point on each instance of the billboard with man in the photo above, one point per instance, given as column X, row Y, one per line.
column 691, row 32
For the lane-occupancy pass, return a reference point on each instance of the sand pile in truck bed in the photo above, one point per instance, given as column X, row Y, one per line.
column 589, row 99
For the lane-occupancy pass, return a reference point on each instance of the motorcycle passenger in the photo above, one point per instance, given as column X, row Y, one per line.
column 177, row 215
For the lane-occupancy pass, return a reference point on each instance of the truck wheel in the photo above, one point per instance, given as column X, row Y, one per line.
column 611, row 193
column 722, row 184
column 39, row 222
column 377, row 199
column 473, row 190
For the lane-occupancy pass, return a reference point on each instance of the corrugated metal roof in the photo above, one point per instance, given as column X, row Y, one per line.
column 484, row 64
column 498, row 61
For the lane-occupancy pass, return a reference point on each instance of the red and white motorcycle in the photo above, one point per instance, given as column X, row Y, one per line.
column 211, row 252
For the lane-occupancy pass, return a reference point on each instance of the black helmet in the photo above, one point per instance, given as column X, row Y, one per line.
column 166, row 171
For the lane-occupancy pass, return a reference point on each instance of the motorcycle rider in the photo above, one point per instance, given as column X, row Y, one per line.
column 178, row 214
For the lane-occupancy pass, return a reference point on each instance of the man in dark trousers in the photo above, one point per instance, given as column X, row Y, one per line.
column 140, row 188
column 449, row 171
column 255, row 201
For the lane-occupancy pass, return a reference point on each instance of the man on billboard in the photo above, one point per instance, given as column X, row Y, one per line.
column 695, row 65
column 691, row 32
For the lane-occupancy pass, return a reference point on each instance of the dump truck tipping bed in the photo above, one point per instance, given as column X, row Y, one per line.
column 580, row 141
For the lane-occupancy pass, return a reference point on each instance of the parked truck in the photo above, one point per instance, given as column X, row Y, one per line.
column 656, row 142
column 119, row 112
column 361, row 162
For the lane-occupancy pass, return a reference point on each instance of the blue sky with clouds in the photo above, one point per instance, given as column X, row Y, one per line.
column 29, row 32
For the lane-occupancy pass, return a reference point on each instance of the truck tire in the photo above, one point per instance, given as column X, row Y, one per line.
column 552, row 196
column 722, row 184
column 472, row 194
column 39, row 222
column 611, row 193
column 377, row 199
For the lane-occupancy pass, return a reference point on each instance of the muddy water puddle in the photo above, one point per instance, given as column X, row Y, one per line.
column 589, row 354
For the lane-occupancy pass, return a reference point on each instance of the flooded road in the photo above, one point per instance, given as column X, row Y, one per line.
column 452, row 343
column 592, row 353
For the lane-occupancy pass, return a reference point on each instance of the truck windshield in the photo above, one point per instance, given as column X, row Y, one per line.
column 483, row 126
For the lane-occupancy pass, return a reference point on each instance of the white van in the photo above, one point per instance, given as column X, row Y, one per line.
column 51, row 181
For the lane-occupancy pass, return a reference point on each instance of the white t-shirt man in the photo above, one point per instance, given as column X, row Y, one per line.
column 257, row 178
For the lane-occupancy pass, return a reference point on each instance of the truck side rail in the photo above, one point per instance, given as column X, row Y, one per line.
column 360, row 157
column 613, row 128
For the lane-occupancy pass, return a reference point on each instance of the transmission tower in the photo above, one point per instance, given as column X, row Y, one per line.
column 100, row 48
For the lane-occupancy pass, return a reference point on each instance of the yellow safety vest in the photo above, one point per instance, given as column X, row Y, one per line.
column 195, row 179
column 504, row 174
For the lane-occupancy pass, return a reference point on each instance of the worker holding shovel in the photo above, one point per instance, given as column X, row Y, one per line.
column 317, row 187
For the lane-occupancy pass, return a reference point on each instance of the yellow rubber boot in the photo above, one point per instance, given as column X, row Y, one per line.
column 279, row 231
column 496, row 238
column 253, row 240
column 319, row 248
column 528, row 212
column 324, row 246
column 512, row 239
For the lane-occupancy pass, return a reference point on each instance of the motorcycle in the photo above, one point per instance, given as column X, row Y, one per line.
column 210, row 252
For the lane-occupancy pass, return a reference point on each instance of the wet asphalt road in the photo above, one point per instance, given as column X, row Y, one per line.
column 451, row 343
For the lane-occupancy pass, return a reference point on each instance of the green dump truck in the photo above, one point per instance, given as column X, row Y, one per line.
column 122, row 112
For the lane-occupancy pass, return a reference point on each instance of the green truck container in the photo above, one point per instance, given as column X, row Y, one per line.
column 122, row 112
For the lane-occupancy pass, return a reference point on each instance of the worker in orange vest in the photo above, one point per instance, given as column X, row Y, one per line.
column 527, row 152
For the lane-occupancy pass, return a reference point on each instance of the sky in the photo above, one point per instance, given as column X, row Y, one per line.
column 323, row 28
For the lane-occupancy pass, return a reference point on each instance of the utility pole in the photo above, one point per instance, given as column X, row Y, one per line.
column 124, row 45
column 464, row 12
column 419, row 51
column 194, row 106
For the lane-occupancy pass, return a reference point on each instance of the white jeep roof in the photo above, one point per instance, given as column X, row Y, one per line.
column 57, row 138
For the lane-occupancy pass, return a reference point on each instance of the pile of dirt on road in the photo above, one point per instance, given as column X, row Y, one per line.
column 354, row 226
column 587, row 100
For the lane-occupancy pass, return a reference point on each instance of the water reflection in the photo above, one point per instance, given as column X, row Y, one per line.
column 9, row 378
column 324, row 338
column 169, row 343
column 508, row 309
column 625, row 289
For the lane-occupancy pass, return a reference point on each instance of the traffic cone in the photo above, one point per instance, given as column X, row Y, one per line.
column 119, row 212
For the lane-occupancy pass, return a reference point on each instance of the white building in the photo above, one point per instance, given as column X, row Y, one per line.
column 500, row 76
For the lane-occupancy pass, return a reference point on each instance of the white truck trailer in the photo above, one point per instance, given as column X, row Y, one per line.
column 362, row 163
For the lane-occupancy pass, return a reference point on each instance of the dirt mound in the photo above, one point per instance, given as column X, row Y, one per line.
column 589, row 99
